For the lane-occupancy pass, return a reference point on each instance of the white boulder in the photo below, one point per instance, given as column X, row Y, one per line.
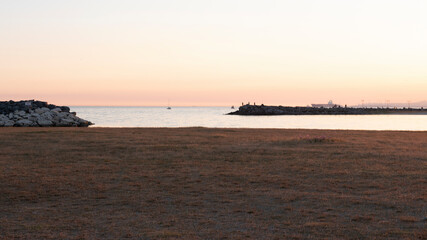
column 3, row 117
column 45, row 123
column 41, row 110
column 65, row 122
column 24, row 123
column 47, row 115
column 20, row 113
column 9, row 123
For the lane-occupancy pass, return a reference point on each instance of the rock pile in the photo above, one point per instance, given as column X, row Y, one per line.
column 280, row 110
column 31, row 113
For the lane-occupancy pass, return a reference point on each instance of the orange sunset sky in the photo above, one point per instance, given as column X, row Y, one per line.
column 213, row 53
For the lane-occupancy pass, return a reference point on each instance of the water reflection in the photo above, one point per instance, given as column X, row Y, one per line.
column 215, row 117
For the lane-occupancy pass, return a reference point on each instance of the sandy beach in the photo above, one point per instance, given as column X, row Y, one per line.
column 204, row 183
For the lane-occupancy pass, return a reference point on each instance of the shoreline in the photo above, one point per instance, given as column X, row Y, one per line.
column 246, row 128
column 212, row 128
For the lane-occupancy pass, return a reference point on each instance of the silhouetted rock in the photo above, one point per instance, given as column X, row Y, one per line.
column 280, row 110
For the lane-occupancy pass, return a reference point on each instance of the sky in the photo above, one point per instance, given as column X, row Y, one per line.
column 213, row 53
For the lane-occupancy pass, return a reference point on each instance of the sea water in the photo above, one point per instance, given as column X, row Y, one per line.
column 217, row 117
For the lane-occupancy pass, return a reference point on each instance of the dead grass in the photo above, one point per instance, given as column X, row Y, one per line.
column 317, row 139
column 410, row 219
column 200, row 183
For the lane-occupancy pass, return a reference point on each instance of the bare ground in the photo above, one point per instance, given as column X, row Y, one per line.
column 201, row 183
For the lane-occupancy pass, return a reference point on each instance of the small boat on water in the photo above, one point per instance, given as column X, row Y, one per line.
column 168, row 108
column 232, row 107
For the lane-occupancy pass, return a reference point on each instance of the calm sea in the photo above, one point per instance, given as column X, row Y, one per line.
column 216, row 117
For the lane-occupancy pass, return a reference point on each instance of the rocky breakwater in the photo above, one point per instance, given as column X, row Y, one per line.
column 33, row 113
column 280, row 110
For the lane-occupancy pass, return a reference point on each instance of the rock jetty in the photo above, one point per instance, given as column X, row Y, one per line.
column 280, row 110
column 31, row 113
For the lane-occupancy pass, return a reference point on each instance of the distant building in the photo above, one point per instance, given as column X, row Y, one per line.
column 329, row 105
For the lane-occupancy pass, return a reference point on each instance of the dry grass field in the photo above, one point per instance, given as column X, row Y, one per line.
column 201, row 183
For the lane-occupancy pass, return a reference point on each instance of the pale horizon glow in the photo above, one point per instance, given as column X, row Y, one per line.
column 213, row 53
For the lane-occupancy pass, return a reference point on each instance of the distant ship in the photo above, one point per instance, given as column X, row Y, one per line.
column 329, row 105
column 232, row 107
column 168, row 108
